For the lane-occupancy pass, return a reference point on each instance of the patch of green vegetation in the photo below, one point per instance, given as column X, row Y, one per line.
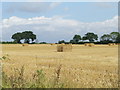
column 39, row 80
column 5, row 57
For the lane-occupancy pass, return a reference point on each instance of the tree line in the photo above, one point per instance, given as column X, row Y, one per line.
column 30, row 37
column 113, row 37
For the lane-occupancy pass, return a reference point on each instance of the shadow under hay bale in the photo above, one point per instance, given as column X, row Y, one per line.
column 64, row 48
column 89, row 44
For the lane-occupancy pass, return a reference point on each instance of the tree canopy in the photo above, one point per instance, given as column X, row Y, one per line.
column 114, row 36
column 27, row 36
column 118, row 39
column 90, row 36
column 76, row 38
column 105, row 37
column 17, row 37
column 62, row 41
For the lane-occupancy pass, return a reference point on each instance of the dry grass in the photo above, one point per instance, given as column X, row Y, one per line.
column 84, row 67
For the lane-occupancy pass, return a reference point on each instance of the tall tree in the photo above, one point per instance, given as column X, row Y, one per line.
column 28, row 35
column 105, row 38
column 71, row 41
column 76, row 38
column 90, row 36
column 17, row 37
column 118, row 38
column 62, row 41
column 114, row 36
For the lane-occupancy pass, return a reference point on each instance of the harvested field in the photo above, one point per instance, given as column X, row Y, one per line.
column 84, row 67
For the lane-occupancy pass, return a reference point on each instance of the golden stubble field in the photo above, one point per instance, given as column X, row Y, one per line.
column 84, row 67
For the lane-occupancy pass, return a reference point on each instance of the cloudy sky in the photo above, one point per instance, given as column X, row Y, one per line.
column 53, row 21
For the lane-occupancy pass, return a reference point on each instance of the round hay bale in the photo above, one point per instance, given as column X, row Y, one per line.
column 118, row 43
column 85, row 44
column 111, row 44
column 24, row 44
column 52, row 44
column 63, row 43
column 89, row 44
column 64, row 48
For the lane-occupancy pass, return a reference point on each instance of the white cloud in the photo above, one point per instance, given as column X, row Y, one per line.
column 52, row 29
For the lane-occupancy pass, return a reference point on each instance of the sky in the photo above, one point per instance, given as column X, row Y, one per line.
column 54, row 21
